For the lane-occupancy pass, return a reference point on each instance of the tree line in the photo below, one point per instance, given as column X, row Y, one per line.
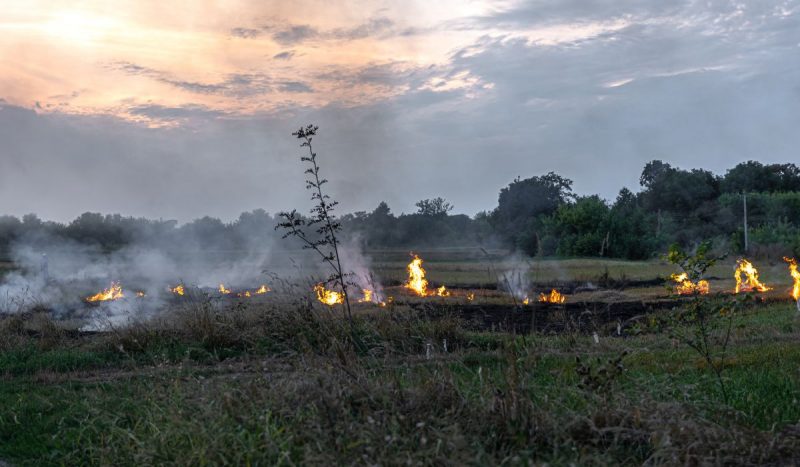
column 540, row 216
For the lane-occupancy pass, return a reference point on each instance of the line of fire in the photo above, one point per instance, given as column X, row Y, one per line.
column 417, row 286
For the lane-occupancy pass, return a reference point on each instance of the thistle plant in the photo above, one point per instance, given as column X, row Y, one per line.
column 322, row 221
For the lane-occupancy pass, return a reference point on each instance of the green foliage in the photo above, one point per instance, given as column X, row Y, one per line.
column 580, row 228
column 755, row 177
column 695, row 264
column 524, row 200
column 538, row 215
column 704, row 325
column 433, row 207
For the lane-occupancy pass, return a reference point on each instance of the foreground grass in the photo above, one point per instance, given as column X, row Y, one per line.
column 263, row 387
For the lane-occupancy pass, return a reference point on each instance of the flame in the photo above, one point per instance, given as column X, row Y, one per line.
column 795, row 276
column 328, row 297
column 367, row 296
column 223, row 290
column 112, row 293
column 442, row 292
column 687, row 287
column 140, row 294
column 471, row 296
column 553, row 297
column 751, row 282
column 178, row 290
column 526, row 301
column 416, row 277
column 248, row 293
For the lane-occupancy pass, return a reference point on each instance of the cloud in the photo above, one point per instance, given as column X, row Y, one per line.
column 294, row 34
column 245, row 33
column 589, row 89
column 285, row 55
column 161, row 112
column 234, row 84
column 375, row 27
column 379, row 27
column 295, row 86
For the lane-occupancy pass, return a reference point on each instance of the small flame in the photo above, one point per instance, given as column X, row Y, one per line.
column 178, row 290
column 223, row 290
column 553, row 297
column 442, row 292
column 416, row 277
column 246, row 294
column 140, row 294
column 526, row 301
column 471, row 296
column 795, row 276
column 262, row 290
column 750, row 281
column 687, row 287
column 367, row 296
column 328, row 297
column 112, row 293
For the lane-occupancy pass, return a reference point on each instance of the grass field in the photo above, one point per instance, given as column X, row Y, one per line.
column 267, row 382
column 260, row 386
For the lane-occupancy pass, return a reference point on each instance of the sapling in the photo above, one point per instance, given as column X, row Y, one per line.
column 709, row 322
column 322, row 220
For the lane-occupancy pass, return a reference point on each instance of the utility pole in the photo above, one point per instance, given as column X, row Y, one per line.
column 744, row 206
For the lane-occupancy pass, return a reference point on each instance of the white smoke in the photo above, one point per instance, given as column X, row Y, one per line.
column 354, row 262
column 513, row 276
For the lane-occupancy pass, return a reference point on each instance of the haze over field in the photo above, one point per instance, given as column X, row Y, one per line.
column 184, row 109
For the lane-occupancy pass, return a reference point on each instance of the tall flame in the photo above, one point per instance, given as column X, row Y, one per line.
column 112, row 293
column 328, row 297
column 553, row 297
column 795, row 276
column 367, row 296
column 416, row 277
column 178, row 290
column 687, row 287
column 750, row 280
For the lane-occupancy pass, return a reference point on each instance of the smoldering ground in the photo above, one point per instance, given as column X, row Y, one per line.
column 58, row 275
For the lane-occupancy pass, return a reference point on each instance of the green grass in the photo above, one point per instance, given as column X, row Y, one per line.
column 261, row 394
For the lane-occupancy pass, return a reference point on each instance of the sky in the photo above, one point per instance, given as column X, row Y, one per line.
column 181, row 109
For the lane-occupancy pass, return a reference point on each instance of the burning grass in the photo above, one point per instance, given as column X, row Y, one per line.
column 795, row 278
column 114, row 292
column 553, row 297
column 684, row 286
column 746, row 276
column 328, row 297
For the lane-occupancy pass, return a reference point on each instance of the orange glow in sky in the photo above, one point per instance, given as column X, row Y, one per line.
column 236, row 57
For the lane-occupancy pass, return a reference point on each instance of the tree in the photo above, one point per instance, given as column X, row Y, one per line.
column 755, row 177
column 433, row 207
column 580, row 228
column 677, row 191
column 522, row 202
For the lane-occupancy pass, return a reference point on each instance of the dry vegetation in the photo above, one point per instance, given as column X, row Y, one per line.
column 260, row 385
